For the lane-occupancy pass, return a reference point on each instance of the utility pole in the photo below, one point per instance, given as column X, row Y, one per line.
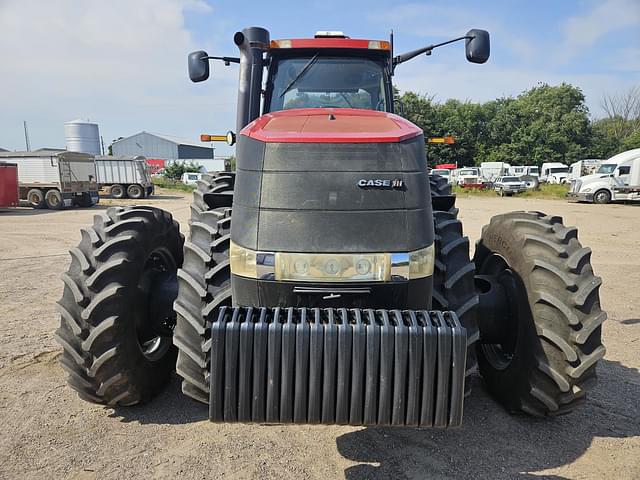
column 26, row 136
column 102, row 143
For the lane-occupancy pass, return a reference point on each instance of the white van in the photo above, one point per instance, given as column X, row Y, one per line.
column 191, row 178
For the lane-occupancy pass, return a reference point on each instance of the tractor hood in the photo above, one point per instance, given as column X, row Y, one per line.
column 331, row 125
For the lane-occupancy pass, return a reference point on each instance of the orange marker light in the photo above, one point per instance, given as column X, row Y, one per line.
column 213, row 138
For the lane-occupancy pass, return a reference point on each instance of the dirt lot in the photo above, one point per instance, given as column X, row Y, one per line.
column 47, row 432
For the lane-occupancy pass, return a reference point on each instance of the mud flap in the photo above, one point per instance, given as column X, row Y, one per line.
column 337, row 366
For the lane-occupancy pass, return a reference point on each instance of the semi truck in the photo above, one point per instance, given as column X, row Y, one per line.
column 55, row 179
column 124, row 176
column 617, row 179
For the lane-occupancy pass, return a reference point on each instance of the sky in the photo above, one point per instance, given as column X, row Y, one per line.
column 123, row 63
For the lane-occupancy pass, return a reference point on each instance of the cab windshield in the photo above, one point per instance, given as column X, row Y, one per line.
column 607, row 168
column 318, row 81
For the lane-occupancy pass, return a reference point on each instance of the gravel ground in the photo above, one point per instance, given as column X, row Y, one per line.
column 48, row 432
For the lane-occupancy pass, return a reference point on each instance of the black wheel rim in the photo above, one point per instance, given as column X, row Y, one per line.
column 500, row 354
column 155, row 319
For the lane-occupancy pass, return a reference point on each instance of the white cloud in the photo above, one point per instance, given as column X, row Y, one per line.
column 583, row 31
column 120, row 63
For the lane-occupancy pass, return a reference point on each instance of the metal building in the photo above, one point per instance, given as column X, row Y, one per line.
column 155, row 145
column 82, row 136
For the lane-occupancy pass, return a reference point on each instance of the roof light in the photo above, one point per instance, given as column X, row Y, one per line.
column 280, row 43
column 379, row 45
column 330, row 34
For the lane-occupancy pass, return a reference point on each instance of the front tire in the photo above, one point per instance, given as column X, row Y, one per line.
column 602, row 197
column 453, row 282
column 439, row 185
column 204, row 285
column 551, row 340
column 117, row 306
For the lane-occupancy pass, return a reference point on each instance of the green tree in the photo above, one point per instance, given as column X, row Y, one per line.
column 176, row 169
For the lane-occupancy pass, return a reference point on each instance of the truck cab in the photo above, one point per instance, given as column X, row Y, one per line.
column 611, row 182
column 554, row 172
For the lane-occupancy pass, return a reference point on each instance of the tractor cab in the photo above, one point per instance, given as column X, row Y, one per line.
column 329, row 71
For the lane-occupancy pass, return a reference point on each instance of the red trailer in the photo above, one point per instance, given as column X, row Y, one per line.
column 8, row 185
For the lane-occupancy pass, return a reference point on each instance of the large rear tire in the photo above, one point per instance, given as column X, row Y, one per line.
column 117, row 191
column 35, row 197
column 552, row 334
column 117, row 306
column 135, row 191
column 53, row 199
column 204, row 284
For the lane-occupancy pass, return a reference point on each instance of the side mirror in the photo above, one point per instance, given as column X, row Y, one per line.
column 477, row 46
column 198, row 66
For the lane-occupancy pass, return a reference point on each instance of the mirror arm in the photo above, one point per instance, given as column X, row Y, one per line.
column 397, row 60
column 227, row 60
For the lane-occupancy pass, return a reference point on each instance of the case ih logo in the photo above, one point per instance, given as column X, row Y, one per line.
column 379, row 183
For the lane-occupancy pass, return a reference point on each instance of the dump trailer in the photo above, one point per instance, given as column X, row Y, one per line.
column 55, row 179
column 327, row 280
column 124, row 176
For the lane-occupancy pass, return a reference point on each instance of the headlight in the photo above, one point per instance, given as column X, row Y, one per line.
column 586, row 190
column 330, row 267
column 326, row 267
column 243, row 261
column 421, row 262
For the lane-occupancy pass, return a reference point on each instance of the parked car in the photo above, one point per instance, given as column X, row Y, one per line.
column 509, row 186
column 191, row 178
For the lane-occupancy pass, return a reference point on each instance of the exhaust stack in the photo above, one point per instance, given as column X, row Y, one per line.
column 252, row 43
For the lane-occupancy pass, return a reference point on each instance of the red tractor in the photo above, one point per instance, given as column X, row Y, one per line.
column 327, row 280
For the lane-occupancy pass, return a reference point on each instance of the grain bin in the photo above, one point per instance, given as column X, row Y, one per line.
column 82, row 137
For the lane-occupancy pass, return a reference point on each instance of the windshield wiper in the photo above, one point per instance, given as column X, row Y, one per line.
column 302, row 72
column 346, row 99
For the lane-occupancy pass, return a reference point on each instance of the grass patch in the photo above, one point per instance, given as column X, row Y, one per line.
column 172, row 184
column 545, row 191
